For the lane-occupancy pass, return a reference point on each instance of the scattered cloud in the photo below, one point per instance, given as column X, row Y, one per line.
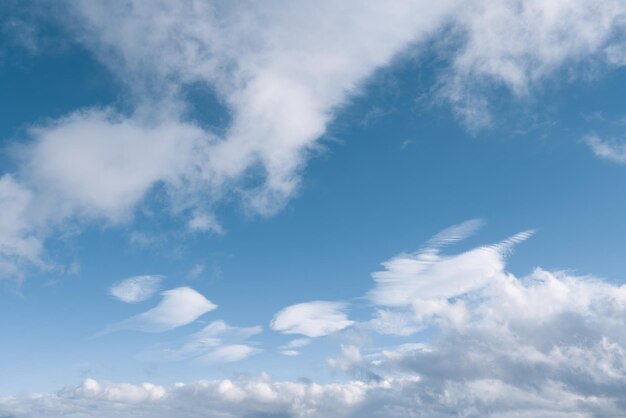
column 312, row 319
column 542, row 345
column 518, row 44
column 205, row 222
column 415, row 279
column 178, row 307
column 215, row 343
column 289, row 349
column 19, row 242
column 609, row 150
column 548, row 344
column 136, row 289
column 283, row 72
column 229, row 353
column 196, row 271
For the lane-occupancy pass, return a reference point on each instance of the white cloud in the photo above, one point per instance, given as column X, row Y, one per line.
column 608, row 150
column 413, row 279
column 229, row 353
column 312, row 319
column 550, row 344
column 101, row 164
column 178, row 307
column 136, row 289
column 546, row 344
column 252, row 397
column 196, row 271
column 518, row 43
column 282, row 70
column 205, row 222
column 289, row 349
column 19, row 241
column 215, row 343
column 280, row 83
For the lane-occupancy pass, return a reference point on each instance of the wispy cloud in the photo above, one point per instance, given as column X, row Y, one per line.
column 178, row 307
column 136, row 289
column 312, row 319
column 428, row 275
column 215, row 343
column 291, row 348
column 609, row 150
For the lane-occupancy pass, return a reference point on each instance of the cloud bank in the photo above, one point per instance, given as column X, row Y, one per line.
column 549, row 344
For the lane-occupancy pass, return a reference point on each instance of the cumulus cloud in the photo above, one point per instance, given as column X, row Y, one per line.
column 312, row 319
column 136, row 289
column 102, row 164
column 608, row 150
column 549, row 344
column 252, row 397
column 415, row 289
column 178, row 307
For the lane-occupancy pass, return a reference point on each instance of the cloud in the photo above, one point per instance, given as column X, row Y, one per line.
column 549, row 344
column 410, row 279
column 518, row 44
column 19, row 241
column 98, row 163
column 608, row 150
column 280, row 84
column 251, row 397
column 312, row 319
column 178, row 307
column 205, row 222
column 542, row 345
column 229, row 353
column 289, row 349
column 217, row 342
column 136, row 289
column 282, row 72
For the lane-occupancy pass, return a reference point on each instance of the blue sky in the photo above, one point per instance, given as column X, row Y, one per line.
column 301, row 210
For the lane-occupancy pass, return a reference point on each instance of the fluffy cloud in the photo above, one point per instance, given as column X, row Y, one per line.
column 100, row 163
column 428, row 275
column 254, row 397
column 517, row 43
column 282, row 70
column 178, row 307
column 550, row 344
column 313, row 319
column 608, row 150
column 136, row 289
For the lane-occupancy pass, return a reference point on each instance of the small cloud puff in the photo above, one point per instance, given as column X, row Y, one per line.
column 178, row 307
column 312, row 319
column 136, row 289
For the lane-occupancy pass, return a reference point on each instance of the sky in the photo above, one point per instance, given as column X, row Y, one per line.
column 292, row 209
